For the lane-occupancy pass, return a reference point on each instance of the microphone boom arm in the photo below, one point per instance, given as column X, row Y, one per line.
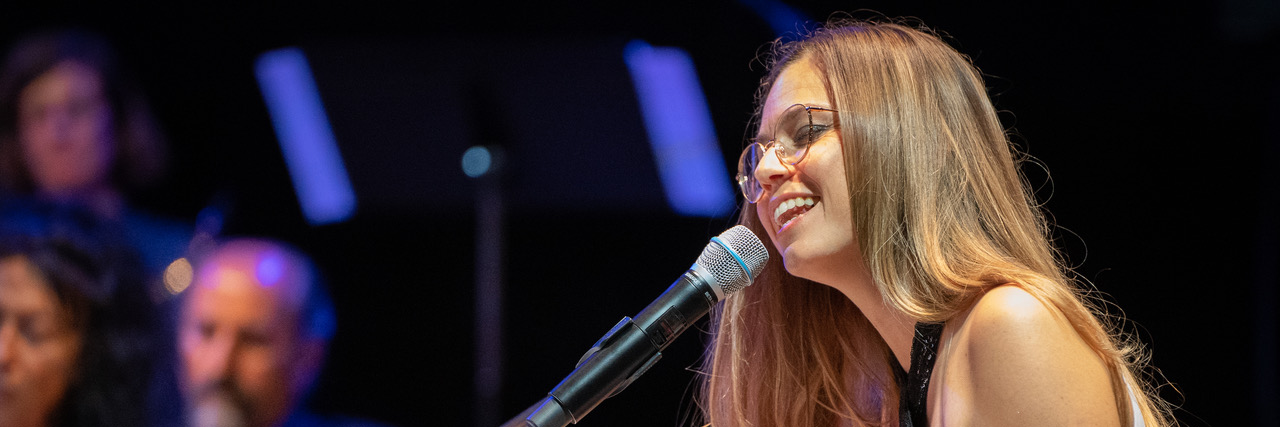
column 730, row 262
column 627, row 351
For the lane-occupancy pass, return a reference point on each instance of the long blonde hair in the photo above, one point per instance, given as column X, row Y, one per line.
column 942, row 214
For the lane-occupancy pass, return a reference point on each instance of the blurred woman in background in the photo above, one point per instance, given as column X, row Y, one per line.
column 75, row 129
column 76, row 326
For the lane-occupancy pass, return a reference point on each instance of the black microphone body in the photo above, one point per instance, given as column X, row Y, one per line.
column 632, row 346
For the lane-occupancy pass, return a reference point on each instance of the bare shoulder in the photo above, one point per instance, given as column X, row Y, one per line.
column 1022, row 363
column 1010, row 316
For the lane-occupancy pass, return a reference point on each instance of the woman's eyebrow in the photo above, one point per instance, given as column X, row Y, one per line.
column 786, row 116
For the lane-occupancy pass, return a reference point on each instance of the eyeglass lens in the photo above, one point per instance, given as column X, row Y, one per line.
column 792, row 136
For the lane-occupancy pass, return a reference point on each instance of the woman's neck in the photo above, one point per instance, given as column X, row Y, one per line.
column 103, row 200
column 894, row 327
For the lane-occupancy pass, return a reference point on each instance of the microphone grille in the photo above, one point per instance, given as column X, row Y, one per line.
column 720, row 260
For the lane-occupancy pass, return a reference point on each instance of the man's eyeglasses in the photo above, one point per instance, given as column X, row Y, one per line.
column 798, row 127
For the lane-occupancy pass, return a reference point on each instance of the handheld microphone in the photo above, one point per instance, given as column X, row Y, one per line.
column 729, row 263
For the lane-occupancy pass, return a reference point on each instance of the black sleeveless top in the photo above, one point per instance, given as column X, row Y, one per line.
column 915, row 385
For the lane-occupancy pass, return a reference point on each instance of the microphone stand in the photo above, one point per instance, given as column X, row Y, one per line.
column 489, row 280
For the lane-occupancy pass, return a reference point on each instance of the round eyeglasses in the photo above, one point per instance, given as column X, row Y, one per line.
column 798, row 127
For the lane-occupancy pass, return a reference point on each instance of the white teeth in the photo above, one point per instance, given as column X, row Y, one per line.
column 791, row 204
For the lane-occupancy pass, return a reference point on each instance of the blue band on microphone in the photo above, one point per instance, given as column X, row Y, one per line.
column 734, row 254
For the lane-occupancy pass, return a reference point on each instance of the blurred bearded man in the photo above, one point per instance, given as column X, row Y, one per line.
column 252, row 335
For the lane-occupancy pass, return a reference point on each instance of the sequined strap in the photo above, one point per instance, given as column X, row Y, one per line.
column 914, row 395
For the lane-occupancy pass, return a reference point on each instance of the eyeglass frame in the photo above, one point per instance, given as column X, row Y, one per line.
column 744, row 179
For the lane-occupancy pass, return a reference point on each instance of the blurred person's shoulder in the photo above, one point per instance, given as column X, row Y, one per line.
column 158, row 239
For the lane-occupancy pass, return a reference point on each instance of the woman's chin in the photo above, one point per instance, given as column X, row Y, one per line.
column 797, row 265
column 820, row 264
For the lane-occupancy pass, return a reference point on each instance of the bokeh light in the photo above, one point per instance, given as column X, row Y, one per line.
column 177, row 276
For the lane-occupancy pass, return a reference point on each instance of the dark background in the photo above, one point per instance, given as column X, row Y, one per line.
column 1157, row 122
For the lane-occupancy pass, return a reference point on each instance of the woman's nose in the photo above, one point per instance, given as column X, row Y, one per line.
column 8, row 340
column 771, row 171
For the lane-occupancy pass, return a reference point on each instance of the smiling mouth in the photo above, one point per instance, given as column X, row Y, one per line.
column 792, row 209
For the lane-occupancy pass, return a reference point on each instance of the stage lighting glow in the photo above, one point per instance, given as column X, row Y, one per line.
column 270, row 268
column 785, row 20
column 680, row 130
column 306, row 139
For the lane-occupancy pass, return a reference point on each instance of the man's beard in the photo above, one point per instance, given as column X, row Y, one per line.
column 220, row 404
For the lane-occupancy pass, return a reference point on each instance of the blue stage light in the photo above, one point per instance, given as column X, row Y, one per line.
column 681, row 134
column 476, row 161
column 306, row 139
column 784, row 20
